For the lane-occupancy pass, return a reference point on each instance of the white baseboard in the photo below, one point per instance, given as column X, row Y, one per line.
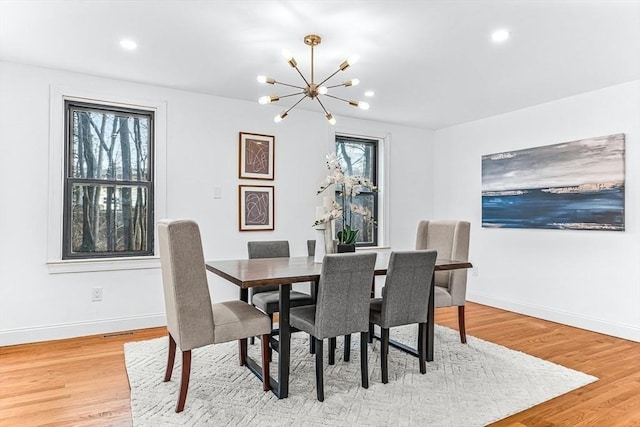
column 79, row 329
column 628, row 332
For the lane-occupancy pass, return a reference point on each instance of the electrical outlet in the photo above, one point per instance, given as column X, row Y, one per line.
column 96, row 294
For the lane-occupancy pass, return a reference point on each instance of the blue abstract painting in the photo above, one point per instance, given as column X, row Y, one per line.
column 575, row 185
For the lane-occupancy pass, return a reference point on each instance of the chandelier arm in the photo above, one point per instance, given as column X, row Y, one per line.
column 337, row 97
column 301, row 75
column 322, row 105
column 291, row 94
column 294, row 105
column 335, row 72
column 339, row 85
column 287, row 84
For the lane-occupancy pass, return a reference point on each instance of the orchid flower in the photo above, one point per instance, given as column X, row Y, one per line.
column 351, row 186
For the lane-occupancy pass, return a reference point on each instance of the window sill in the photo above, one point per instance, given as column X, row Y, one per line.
column 105, row 264
column 373, row 248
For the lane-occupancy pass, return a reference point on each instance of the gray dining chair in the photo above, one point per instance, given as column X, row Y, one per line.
column 192, row 320
column 311, row 247
column 405, row 301
column 342, row 308
column 267, row 298
column 451, row 239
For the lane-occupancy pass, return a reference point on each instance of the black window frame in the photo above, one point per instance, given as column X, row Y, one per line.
column 69, row 180
column 375, row 143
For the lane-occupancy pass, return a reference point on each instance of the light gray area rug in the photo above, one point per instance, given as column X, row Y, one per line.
column 466, row 385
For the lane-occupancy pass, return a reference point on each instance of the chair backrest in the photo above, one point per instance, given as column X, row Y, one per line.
column 451, row 239
column 407, row 288
column 344, row 293
column 267, row 249
column 184, row 280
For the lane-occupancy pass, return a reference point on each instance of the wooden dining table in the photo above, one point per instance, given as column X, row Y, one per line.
column 250, row 273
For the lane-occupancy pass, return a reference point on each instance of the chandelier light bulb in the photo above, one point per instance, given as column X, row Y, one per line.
column 363, row 105
column 355, row 82
column 264, row 100
column 322, row 90
column 289, row 57
column 331, row 119
column 353, row 59
column 280, row 116
column 265, row 79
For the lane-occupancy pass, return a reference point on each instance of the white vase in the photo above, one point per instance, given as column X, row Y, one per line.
column 320, row 245
column 328, row 240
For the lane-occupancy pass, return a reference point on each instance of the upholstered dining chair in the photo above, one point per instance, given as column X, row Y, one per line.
column 267, row 298
column 405, row 301
column 192, row 320
column 451, row 239
column 342, row 308
column 311, row 247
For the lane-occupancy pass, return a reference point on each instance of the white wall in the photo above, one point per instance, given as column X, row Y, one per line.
column 202, row 153
column 588, row 279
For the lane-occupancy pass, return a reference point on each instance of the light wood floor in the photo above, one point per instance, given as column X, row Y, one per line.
column 82, row 381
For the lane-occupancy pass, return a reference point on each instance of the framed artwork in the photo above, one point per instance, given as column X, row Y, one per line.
column 256, row 211
column 576, row 185
column 256, row 156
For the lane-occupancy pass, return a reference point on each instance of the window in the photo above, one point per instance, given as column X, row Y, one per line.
column 108, row 188
column 359, row 156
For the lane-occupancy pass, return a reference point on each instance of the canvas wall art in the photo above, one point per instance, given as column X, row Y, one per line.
column 572, row 185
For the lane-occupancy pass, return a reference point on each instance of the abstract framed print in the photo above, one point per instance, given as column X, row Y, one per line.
column 256, row 156
column 256, row 210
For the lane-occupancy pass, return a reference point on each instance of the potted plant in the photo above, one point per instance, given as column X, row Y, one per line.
column 347, row 187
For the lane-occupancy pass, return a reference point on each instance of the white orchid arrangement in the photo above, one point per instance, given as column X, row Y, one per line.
column 351, row 186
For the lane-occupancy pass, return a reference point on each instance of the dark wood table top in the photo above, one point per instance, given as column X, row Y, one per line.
column 249, row 273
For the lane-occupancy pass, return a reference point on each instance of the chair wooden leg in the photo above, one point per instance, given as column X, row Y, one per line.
column 184, row 382
column 422, row 347
column 171, row 359
column 266, row 382
column 332, row 351
column 242, row 351
column 461, row 327
column 319, row 371
column 347, row 347
column 364, row 359
column 384, row 353
column 371, row 333
column 312, row 345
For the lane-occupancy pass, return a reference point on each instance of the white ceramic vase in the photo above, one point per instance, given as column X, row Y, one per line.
column 320, row 245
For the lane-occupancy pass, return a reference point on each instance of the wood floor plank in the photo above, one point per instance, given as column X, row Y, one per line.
column 83, row 381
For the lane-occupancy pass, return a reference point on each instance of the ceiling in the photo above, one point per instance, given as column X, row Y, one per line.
column 432, row 64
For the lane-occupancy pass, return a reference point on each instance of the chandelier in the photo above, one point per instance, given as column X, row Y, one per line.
column 311, row 89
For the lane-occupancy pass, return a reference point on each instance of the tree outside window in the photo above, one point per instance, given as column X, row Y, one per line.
column 108, row 201
column 358, row 156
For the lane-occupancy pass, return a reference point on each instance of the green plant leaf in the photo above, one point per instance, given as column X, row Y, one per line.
column 348, row 236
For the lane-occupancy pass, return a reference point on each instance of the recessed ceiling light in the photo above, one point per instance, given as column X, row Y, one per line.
column 128, row 44
column 499, row 36
column 369, row 93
